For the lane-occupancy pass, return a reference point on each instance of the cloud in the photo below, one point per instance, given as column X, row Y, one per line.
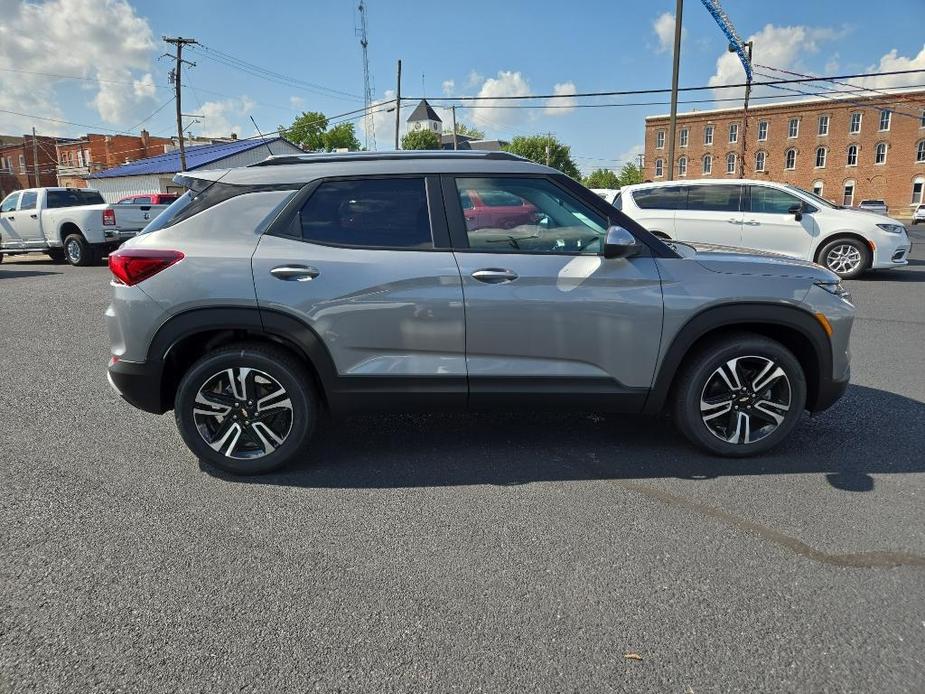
column 297, row 102
column 663, row 26
column 629, row 156
column 561, row 107
column 448, row 87
column 217, row 117
column 892, row 61
column 474, row 79
column 507, row 83
column 113, row 45
column 780, row 46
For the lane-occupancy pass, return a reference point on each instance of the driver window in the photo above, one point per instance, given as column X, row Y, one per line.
column 528, row 215
column 772, row 200
column 9, row 203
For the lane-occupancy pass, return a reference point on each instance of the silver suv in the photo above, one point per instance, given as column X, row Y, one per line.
column 268, row 294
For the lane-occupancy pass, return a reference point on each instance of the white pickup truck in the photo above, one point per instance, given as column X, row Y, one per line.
column 72, row 224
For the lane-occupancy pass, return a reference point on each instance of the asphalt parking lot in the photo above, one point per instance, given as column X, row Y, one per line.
column 488, row 552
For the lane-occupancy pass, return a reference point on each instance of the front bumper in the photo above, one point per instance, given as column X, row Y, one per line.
column 893, row 252
column 139, row 384
column 830, row 391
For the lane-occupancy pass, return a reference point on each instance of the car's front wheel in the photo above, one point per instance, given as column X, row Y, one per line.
column 248, row 408
column 848, row 258
column 740, row 395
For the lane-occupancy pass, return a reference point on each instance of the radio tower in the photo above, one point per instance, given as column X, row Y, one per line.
column 368, row 122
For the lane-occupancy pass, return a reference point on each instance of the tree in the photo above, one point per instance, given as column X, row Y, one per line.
column 533, row 147
column 602, row 178
column 421, row 139
column 469, row 131
column 341, row 136
column 307, row 130
column 630, row 174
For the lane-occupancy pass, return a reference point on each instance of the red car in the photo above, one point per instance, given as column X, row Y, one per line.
column 495, row 209
column 149, row 199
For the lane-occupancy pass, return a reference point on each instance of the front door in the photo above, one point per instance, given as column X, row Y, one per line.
column 546, row 314
column 770, row 226
column 28, row 222
column 712, row 214
column 361, row 264
column 9, row 237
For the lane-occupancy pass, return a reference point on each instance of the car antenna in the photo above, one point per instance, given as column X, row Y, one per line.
column 261, row 136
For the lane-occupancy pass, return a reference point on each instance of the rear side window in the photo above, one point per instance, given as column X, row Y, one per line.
column 72, row 197
column 376, row 213
column 29, row 198
column 665, row 198
column 714, row 198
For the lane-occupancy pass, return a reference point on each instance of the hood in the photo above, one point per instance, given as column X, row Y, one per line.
column 730, row 260
column 871, row 216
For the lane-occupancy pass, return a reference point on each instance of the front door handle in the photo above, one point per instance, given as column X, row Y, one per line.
column 752, row 223
column 34, row 216
column 734, row 221
column 493, row 275
column 295, row 273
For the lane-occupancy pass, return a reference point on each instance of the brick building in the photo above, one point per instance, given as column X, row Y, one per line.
column 846, row 149
column 93, row 152
column 17, row 163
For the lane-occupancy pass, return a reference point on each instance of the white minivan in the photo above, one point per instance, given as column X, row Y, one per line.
column 767, row 216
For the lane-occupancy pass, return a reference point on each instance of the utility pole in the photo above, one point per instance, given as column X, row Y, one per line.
column 748, row 92
column 35, row 157
column 178, row 42
column 455, row 143
column 548, row 142
column 398, row 105
column 672, row 127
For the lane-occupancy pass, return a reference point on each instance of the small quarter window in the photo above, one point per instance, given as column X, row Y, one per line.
column 377, row 213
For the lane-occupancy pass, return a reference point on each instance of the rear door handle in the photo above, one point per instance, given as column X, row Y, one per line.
column 295, row 273
column 752, row 223
column 34, row 216
column 734, row 221
column 493, row 275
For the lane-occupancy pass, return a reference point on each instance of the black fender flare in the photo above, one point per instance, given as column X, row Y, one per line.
column 747, row 316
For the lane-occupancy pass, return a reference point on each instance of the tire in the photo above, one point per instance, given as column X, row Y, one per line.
column 78, row 252
column 57, row 255
column 700, row 403
column 252, row 443
column 839, row 252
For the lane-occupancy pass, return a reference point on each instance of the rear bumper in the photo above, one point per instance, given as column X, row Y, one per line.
column 139, row 384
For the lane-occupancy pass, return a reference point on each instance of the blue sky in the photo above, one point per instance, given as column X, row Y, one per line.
column 480, row 47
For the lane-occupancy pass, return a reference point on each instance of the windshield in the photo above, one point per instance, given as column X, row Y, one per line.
column 820, row 200
column 165, row 217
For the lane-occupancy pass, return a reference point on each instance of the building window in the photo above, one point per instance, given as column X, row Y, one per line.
column 820, row 157
column 885, row 120
column 659, row 168
column 659, row 139
column 733, row 133
column 708, row 135
column 759, row 161
column 817, row 188
column 917, row 186
column 707, row 165
column 731, row 163
column 823, row 125
column 855, row 127
column 920, row 152
column 793, row 129
column 682, row 136
column 682, row 166
column 762, row 130
column 880, row 153
column 790, row 159
column 22, row 163
column 848, row 195
column 852, row 155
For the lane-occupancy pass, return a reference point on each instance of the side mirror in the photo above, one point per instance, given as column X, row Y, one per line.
column 796, row 211
column 619, row 243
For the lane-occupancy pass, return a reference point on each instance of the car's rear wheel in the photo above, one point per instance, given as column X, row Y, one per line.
column 78, row 251
column 740, row 395
column 848, row 258
column 248, row 408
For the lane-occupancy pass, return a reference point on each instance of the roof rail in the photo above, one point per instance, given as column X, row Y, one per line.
column 326, row 157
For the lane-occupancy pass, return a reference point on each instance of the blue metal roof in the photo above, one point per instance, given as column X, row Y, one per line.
column 196, row 158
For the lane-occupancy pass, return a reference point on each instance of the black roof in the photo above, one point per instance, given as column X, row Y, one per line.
column 423, row 111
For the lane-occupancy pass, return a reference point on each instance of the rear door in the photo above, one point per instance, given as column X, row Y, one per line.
column 770, row 226
column 365, row 263
column 546, row 314
column 712, row 214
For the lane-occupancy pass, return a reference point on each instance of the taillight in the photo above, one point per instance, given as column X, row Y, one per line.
column 133, row 265
column 109, row 218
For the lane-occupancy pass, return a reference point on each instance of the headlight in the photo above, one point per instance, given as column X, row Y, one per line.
column 836, row 288
column 892, row 228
